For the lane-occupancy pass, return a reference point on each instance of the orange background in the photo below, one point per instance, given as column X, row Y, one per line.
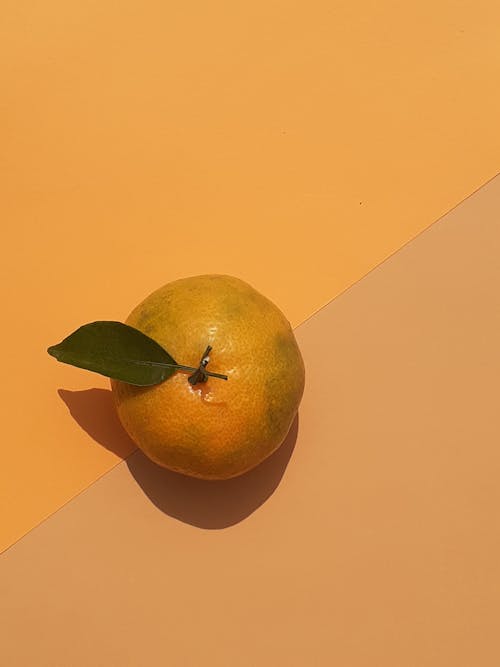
column 292, row 144
column 370, row 538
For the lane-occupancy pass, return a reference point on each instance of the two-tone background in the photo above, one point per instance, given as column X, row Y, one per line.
column 341, row 157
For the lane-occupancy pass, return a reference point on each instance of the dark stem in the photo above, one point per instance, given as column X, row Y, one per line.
column 200, row 374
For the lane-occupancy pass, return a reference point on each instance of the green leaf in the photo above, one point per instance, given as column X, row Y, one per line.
column 118, row 351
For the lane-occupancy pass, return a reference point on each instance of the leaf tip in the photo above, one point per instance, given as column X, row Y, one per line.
column 53, row 351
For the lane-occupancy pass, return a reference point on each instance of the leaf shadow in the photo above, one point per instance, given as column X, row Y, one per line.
column 94, row 411
column 202, row 503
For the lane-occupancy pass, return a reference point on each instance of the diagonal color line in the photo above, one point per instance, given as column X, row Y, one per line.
column 67, row 502
column 401, row 247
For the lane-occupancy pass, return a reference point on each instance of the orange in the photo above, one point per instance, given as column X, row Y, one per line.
column 219, row 428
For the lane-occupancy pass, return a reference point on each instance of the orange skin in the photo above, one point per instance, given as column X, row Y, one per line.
column 217, row 429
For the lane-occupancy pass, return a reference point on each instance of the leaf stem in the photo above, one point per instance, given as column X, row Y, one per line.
column 180, row 367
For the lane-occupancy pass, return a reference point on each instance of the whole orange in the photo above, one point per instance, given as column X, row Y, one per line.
column 215, row 429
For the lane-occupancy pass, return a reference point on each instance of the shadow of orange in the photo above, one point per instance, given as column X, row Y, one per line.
column 201, row 503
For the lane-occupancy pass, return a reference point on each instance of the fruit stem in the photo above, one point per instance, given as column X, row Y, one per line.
column 200, row 374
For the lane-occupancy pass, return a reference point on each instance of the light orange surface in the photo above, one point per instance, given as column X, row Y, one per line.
column 292, row 144
column 370, row 539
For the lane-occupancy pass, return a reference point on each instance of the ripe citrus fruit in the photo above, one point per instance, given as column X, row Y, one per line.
column 214, row 429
